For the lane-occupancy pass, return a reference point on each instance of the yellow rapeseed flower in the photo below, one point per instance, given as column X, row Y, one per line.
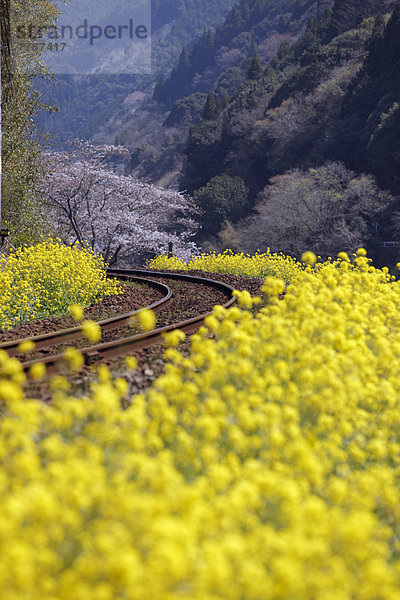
column 37, row 371
column 309, row 258
column 263, row 463
column 92, row 331
column 273, row 286
column 147, row 319
column 59, row 383
column 131, row 362
column 76, row 311
column 51, row 278
column 74, row 358
column 174, row 338
column 26, row 346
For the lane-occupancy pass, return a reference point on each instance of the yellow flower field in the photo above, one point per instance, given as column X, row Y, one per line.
column 257, row 265
column 44, row 280
column 264, row 466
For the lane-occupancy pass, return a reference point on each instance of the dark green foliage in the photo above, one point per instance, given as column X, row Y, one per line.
column 221, row 103
column 224, row 198
column 186, row 111
column 311, row 105
column 203, row 52
column 371, row 106
column 86, row 103
column 325, row 23
column 22, row 209
column 204, row 71
column 284, row 56
column 253, row 50
column 210, row 109
column 230, row 81
column 347, row 14
column 187, row 16
column 202, row 155
column 256, row 69
column 306, row 50
column 305, row 79
column 177, row 84
column 233, row 25
column 243, row 17
column 300, row 7
column 184, row 62
column 283, row 118
column 183, row 71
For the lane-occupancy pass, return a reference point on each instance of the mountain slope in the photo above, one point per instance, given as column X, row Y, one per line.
column 87, row 103
column 158, row 131
column 322, row 98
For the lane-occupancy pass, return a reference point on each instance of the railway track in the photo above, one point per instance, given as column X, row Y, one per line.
column 126, row 344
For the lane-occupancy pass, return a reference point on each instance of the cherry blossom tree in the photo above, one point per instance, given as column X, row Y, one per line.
column 90, row 199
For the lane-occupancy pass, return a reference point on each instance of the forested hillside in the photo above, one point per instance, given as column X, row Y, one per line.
column 301, row 109
column 275, row 86
column 220, row 58
column 86, row 103
column 331, row 97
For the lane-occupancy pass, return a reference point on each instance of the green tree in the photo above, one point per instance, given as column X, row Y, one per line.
column 256, row 69
column 210, row 109
column 224, row 198
column 347, row 14
column 253, row 50
column 183, row 70
column 21, row 103
column 306, row 50
column 184, row 61
column 159, row 89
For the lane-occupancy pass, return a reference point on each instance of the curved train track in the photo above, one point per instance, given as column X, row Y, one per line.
column 121, row 346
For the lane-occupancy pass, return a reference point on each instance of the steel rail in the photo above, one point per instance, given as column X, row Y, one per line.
column 46, row 340
column 123, row 346
column 224, row 287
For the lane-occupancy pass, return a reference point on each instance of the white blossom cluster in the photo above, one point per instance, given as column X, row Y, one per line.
column 124, row 219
